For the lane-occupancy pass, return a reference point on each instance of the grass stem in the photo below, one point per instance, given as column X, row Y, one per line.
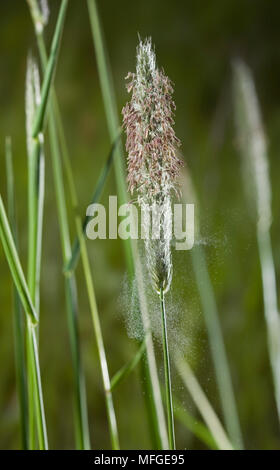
column 31, row 317
column 167, row 373
column 18, row 317
column 80, row 402
column 151, row 382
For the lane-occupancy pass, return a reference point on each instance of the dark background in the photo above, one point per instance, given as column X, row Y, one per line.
column 195, row 42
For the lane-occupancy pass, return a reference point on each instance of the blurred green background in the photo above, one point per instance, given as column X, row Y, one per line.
column 195, row 42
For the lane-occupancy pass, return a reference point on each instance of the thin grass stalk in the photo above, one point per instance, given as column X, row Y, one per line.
column 31, row 319
column 15, row 266
column 19, row 340
column 35, row 200
column 50, row 69
column 81, row 428
column 99, row 339
column 167, row 373
column 37, row 387
column 72, row 264
column 35, row 220
column 80, row 403
column 213, row 325
column 151, row 381
column 36, row 177
column 201, row 401
column 253, row 148
column 126, row 370
column 89, row 282
column 217, row 345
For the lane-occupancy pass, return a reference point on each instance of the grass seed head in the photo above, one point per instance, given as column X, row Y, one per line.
column 153, row 165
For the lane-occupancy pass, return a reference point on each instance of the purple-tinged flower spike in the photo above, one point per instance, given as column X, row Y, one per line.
column 153, row 166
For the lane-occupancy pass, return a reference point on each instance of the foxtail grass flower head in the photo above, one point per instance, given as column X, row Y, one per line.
column 153, row 165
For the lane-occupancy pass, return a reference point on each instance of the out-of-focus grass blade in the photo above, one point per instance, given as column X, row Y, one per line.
column 193, row 425
column 71, row 265
column 129, row 367
column 212, row 321
column 253, row 148
column 49, row 73
column 18, row 314
column 14, row 264
column 205, row 408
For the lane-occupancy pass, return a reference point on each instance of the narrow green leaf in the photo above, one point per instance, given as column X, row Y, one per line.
column 50, row 69
column 14, row 264
column 71, row 265
column 18, row 314
column 201, row 401
column 80, row 402
column 125, row 371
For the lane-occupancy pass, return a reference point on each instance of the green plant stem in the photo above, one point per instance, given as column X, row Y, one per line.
column 15, row 266
column 151, row 382
column 37, row 387
column 86, row 267
column 99, row 339
column 82, row 431
column 72, row 264
column 167, row 373
column 109, row 99
column 31, row 317
column 18, row 318
column 80, row 407
column 221, row 365
column 49, row 71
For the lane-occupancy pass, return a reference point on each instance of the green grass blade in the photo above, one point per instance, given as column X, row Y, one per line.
column 20, row 283
column 50, row 69
column 151, row 377
column 111, row 114
column 221, row 365
column 196, row 427
column 36, row 179
column 82, row 431
column 37, row 389
column 201, row 401
column 14, row 264
column 99, row 339
column 71, row 265
column 212, row 321
column 125, row 371
column 253, row 148
column 80, row 403
column 18, row 314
